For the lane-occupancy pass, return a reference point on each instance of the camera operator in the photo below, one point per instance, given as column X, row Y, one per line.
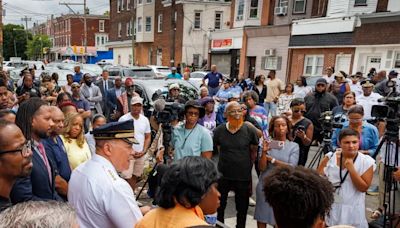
column 318, row 102
column 369, row 136
column 190, row 138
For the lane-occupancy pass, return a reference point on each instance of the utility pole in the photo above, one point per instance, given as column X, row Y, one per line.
column 133, row 31
column 26, row 19
column 173, row 31
column 84, row 20
column 1, row 35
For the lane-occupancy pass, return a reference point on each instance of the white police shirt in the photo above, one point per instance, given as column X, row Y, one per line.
column 368, row 102
column 100, row 197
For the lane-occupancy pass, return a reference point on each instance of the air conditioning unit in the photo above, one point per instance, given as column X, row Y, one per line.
column 269, row 52
column 281, row 11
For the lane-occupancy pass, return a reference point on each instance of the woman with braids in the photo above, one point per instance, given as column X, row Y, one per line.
column 188, row 191
column 279, row 152
column 74, row 140
column 299, row 197
column 350, row 172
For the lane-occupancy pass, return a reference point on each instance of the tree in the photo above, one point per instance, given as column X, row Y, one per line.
column 36, row 46
column 14, row 41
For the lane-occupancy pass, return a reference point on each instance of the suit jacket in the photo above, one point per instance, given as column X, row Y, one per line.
column 103, row 103
column 37, row 185
column 113, row 103
column 96, row 96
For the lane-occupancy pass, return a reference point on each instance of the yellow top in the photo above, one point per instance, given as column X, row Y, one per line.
column 177, row 217
column 76, row 155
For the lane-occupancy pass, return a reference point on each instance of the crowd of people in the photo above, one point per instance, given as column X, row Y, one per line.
column 86, row 145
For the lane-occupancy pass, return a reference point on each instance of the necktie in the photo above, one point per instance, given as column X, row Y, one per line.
column 105, row 86
column 45, row 160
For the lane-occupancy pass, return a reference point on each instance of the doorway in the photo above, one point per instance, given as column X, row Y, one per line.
column 373, row 62
column 252, row 67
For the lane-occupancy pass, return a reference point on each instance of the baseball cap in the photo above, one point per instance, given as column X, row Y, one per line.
column 174, row 86
column 366, row 83
column 136, row 100
column 393, row 72
column 173, row 68
column 321, row 81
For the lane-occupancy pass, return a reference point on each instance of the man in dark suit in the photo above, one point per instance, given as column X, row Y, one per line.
column 34, row 119
column 105, row 84
column 114, row 106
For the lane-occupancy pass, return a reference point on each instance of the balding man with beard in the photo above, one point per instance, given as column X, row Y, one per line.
column 237, row 143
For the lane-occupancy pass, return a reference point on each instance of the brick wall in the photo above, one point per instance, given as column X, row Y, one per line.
column 124, row 17
column 296, row 66
column 377, row 33
column 163, row 40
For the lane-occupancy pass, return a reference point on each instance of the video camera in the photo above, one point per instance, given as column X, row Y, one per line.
column 171, row 111
column 389, row 112
column 328, row 122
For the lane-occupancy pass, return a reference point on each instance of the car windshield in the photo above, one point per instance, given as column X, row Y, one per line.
column 164, row 69
column 197, row 75
column 93, row 68
column 114, row 72
column 139, row 73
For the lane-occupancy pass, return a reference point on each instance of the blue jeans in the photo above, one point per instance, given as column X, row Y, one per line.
column 213, row 91
column 270, row 108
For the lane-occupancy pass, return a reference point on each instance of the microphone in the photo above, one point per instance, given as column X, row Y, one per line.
column 159, row 105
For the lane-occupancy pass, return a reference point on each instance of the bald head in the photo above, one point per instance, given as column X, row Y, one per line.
column 231, row 105
column 58, row 118
column 9, row 132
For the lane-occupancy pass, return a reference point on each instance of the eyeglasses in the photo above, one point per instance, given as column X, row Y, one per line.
column 176, row 89
column 75, row 87
column 25, row 151
column 192, row 114
column 355, row 120
column 299, row 110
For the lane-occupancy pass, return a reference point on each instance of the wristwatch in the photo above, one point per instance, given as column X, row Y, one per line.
column 273, row 160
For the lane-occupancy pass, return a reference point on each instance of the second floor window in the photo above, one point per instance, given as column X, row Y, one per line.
column 240, row 10
column 128, row 4
column 148, row 24
column 313, row 65
column 119, row 3
column 119, row 29
column 159, row 24
column 101, row 26
column 254, row 9
column 360, row 2
column 197, row 20
column 218, row 20
column 299, row 6
column 139, row 24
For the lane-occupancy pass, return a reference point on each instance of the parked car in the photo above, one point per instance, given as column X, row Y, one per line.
column 152, row 89
column 133, row 72
column 160, row 71
column 196, row 78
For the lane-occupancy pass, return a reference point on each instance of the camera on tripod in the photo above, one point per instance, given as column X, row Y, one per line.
column 328, row 123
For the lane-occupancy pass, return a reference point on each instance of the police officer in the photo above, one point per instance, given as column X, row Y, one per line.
column 368, row 98
column 100, row 197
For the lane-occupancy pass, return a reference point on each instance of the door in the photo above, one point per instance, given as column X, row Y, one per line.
column 373, row 62
column 252, row 67
column 159, row 57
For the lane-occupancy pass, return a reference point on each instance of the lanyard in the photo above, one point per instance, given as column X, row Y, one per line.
column 347, row 172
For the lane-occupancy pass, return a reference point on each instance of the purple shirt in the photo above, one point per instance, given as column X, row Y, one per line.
column 208, row 122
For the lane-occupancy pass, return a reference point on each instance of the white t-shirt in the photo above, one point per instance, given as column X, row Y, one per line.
column 329, row 79
column 368, row 102
column 142, row 126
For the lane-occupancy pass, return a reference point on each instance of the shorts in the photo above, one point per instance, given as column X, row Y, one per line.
column 136, row 167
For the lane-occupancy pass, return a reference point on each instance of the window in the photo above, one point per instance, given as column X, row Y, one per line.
column 299, row 6
column 254, row 9
column 122, row 4
column 139, row 24
column 119, row 29
column 139, row 2
column 101, row 25
column 197, row 20
column 196, row 59
column 148, row 24
column 240, row 10
column 119, row 3
column 148, row 1
column 98, row 41
column 102, row 40
column 360, row 3
column 397, row 60
column 128, row 28
column 128, row 4
column 218, row 20
column 313, row 65
column 159, row 24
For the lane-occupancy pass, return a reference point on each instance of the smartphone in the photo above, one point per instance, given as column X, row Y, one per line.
column 274, row 144
column 301, row 128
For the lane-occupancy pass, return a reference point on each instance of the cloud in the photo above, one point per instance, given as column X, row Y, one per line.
column 40, row 10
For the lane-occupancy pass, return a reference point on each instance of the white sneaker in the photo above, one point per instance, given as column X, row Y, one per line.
column 252, row 203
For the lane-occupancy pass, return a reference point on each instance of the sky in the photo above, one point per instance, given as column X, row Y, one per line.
column 40, row 10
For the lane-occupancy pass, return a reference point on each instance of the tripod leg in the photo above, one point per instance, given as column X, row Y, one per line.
column 316, row 157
